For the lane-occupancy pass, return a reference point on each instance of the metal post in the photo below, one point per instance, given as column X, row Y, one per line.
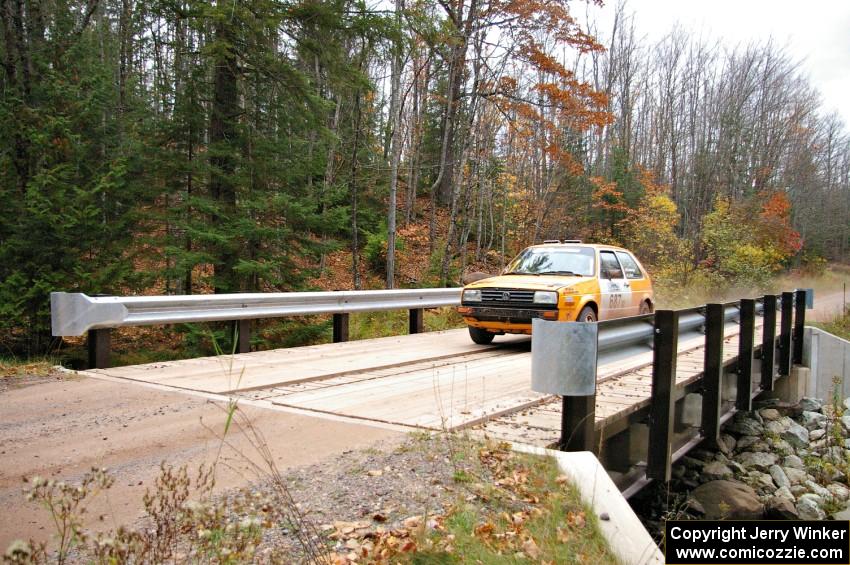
column 712, row 373
column 768, row 343
column 578, row 423
column 242, row 336
column 340, row 327
column 744, row 399
column 665, row 345
column 799, row 325
column 99, row 343
column 416, row 321
column 785, row 333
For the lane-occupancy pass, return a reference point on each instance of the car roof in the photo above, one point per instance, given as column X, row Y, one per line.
column 587, row 245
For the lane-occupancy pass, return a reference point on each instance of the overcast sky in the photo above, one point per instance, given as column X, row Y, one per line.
column 816, row 32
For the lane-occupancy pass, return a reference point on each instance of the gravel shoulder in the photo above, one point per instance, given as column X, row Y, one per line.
column 61, row 425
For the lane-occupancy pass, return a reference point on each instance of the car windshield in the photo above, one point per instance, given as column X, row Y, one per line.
column 563, row 261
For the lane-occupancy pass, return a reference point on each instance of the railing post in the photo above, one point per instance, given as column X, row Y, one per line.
column 578, row 423
column 785, row 333
column 99, row 344
column 242, row 336
column 416, row 321
column 768, row 343
column 340, row 327
column 712, row 377
column 746, row 337
column 665, row 345
column 799, row 325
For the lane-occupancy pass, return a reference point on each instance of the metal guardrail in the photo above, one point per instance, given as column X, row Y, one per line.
column 660, row 333
column 74, row 314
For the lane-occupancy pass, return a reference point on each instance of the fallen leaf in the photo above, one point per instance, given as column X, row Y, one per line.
column 529, row 547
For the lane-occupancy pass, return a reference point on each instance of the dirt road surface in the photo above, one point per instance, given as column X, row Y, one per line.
column 60, row 426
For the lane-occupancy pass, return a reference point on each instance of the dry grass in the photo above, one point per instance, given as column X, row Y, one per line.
column 32, row 367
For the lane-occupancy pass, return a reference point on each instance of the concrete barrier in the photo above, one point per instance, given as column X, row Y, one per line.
column 623, row 531
column 828, row 356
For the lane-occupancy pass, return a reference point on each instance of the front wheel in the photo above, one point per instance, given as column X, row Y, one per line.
column 481, row 337
column 587, row 315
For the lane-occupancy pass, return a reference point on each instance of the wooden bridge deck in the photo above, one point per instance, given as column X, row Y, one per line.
column 437, row 381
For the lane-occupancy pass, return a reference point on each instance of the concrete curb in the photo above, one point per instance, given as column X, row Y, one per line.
column 623, row 531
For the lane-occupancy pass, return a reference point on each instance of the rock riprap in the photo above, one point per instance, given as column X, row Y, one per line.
column 781, row 461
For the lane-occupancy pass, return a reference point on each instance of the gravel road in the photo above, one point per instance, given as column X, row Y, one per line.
column 62, row 425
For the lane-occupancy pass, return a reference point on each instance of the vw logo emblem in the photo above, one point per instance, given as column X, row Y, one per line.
column 506, row 296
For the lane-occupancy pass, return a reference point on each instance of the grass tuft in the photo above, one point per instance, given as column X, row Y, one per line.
column 38, row 367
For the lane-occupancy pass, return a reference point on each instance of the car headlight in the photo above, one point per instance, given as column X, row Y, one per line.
column 545, row 297
column 472, row 296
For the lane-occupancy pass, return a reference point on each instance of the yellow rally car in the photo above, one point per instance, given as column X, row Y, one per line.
column 567, row 281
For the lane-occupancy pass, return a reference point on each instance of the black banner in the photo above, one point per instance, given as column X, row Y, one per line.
column 761, row 542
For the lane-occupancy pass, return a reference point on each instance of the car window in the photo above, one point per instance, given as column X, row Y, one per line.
column 608, row 262
column 630, row 266
column 563, row 260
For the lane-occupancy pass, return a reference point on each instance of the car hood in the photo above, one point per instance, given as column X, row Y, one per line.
column 530, row 282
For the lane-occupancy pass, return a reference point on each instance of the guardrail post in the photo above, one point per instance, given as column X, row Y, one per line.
column 712, row 372
column 768, row 343
column 799, row 324
column 785, row 333
column 665, row 345
column 99, row 344
column 242, row 336
column 340, row 327
column 416, row 321
column 746, row 337
column 578, row 423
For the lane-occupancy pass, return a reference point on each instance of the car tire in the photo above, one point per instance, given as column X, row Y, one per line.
column 481, row 337
column 586, row 315
column 645, row 308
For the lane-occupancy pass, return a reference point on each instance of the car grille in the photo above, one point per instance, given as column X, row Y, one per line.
column 506, row 297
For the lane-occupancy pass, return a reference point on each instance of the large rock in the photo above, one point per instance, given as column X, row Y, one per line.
column 813, row 420
column 793, row 461
column 811, row 404
column 736, row 467
column 808, row 509
column 769, row 414
column 796, row 435
column 762, row 481
column 839, row 491
column 799, row 490
column 847, row 403
column 779, row 476
column 780, row 508
column 732, row 500
column 817, row 499
column 745, row 427
column 818, row 490
column 815, row 435
column 729, row 441
column 795, row 476
column 779, row 426
column 780, row 446
column 758, row 460
column 843, row 515
column 784, row 492
column 716, row 470
column 744, row 442
column 845, row 420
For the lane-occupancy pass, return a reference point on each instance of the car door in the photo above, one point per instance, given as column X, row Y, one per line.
column 636, row 281
column 613, row 287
